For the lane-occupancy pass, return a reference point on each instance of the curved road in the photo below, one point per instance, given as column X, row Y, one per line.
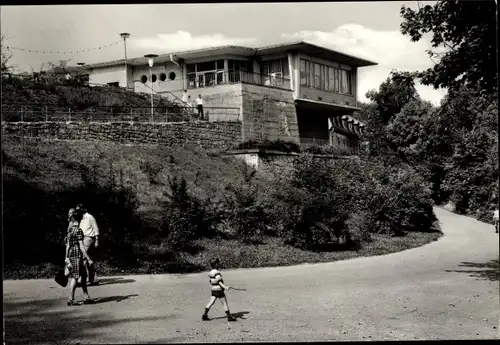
column 444, row 290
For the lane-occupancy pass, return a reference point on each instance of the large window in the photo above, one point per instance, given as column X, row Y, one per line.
column 344, row 82
column 203, row 74
column 240, row 70
column 331, row 83
column 317, row 76
column 337, row 81
column 303, row 75
column 324, row 77
column 274, row 72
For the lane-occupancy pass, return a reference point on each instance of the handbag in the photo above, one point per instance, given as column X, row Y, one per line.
column 61, row 277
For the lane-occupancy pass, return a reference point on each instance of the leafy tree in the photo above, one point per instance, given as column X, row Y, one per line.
column 5, row 53
column 391, row 97
column 407, row 132
column 467, row 32
column 472, row 170
column 393, row 94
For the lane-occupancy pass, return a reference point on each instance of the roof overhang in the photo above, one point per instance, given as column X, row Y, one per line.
column 185, row 55
column 316, row 51
column 301, row 46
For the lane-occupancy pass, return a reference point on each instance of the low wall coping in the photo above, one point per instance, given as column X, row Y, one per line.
column 276, row 153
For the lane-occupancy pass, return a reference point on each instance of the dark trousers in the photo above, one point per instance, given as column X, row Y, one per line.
column 200, row 111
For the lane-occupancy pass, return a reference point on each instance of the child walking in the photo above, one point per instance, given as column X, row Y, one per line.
column 218, row 288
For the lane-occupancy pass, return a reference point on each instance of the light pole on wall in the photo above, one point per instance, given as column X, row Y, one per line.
column 151, row 61
column 80, row 64
column 125, row 35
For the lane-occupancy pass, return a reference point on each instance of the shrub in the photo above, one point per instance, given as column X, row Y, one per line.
column 185, row 217
column 326, row 150
column 245, row 213
column 359, row 226
column 317, row 205
column 275, row 145
column 399, row 201
column 321, row 224
column 151, row 169
column 42, row 214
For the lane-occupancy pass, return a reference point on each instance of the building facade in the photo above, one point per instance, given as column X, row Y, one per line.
column 296, row 91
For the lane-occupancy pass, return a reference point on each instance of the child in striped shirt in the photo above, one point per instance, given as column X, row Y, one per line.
column 218, row 288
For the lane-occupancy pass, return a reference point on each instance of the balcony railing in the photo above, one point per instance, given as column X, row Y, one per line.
column 208, row 79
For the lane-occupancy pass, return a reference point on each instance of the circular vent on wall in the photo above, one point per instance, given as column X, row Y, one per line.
column 163, row 77
column 144, row 79
column 153, row 77
column 171, row 75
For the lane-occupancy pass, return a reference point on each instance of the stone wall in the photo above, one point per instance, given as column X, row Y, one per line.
column 269, row 113
column 275, row 164
column 210, row 135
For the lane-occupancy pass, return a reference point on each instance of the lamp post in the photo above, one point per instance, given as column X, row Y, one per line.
column 125, row 35
column 151, row 61
column 80, row 64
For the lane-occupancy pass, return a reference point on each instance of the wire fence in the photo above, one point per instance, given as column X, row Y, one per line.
column 48, row 113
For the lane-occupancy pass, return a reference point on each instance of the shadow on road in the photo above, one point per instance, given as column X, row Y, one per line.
column 117, row 280
column 488, row 270
column 113, row 298
column 238, row 315
column 51, row 321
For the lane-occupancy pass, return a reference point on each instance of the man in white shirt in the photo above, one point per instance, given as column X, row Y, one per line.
column 90, row 241
column 185, row 96
column 199, row 105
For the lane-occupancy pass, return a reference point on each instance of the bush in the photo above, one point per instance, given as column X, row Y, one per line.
column 42, row 216
column 320, row 224
column 185, row 217
column 359, row 226
column 399, row 201
column 245, row 213
column 317, row 206
column 326, row 150
column 151, row 169
column 275, row 145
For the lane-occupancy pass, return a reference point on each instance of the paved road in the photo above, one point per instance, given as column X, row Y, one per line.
column 445, row 290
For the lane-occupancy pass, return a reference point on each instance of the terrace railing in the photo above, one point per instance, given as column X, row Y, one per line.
column 48, row 113
column 208, row 79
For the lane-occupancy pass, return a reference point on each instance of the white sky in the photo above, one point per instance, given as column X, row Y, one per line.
column 366, row 29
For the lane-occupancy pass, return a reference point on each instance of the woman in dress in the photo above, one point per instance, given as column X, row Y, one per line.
column 75, row 252
column 71, row 222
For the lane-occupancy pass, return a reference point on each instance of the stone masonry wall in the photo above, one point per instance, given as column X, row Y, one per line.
column 210, row 135
column 268, row 113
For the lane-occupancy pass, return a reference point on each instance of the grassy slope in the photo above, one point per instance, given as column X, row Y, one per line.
column 50, row 166
column 29, row 94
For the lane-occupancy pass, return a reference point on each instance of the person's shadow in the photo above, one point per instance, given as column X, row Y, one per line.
column 238, row 315
column 109, row 281
column 113, row 299
column 115, row 280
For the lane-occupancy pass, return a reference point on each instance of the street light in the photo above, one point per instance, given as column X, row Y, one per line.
column 125, row 35
column 81, row 64
column 151, row 61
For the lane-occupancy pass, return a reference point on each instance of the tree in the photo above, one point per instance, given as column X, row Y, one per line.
column 58, row 68
column 5, row 53
column 467, row 32
column 407, row 131
column 391, row 97
column 393, row 94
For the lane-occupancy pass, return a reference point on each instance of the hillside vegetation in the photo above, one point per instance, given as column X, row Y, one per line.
column 164, row 209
